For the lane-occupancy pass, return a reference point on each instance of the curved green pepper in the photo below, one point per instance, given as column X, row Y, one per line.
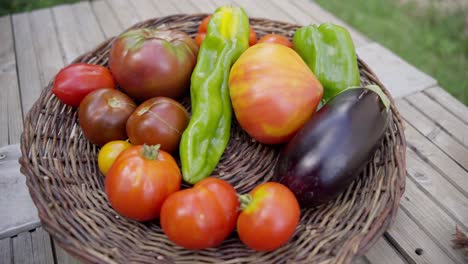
column 207, row 134
column 329, row 52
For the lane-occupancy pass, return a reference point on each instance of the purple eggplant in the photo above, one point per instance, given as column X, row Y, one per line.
column 329, row 152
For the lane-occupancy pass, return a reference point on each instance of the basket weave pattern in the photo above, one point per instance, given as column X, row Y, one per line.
column 68, row 189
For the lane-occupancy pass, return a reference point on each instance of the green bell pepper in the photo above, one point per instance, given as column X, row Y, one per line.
column 329, row 52
column 207, row 134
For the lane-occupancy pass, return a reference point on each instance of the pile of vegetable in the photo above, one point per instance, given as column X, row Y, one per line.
column 304, row 95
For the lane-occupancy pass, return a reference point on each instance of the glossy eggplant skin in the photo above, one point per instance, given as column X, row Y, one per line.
column 329, row 152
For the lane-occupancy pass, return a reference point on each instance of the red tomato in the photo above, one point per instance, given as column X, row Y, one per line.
column 204, row 24
column 274, row 38
column 273, row 92
column 252, row 37
column 269, row 217
column 159, row 120
column 148, row 62
column 200, row 217
column 75, row 81
column 199, row 38
column 139, row 181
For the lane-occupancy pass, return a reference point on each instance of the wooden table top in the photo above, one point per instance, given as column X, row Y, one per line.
column 35, row 45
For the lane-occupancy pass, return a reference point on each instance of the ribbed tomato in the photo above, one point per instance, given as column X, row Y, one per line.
column 202, row 216
column 273, row 92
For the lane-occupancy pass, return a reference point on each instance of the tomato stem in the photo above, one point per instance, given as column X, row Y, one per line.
column 114, row 102
column 151, row 152
column 245, row 200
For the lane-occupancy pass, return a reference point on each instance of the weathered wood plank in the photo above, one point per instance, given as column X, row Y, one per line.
column 322, row 15
column 106, row 18
column 5, row 251
column 449, row 102
column 398, row 76
column 21, row 215
column 430, row 217
column 384, row 253
column 42, row 247
column 299, row 15
column 29, row 79
column 185, row 7
column 440, row 116
column 124, row 12
column 145, row 9
column 22, row 248
column 46, row 45
column 11, row 115
column 68, row 33
column 63, row 257
column 442, row 163
column 165, row 7
column 273, row 11
column 433, row 132
column 409, row 238
column 437, row 187
column 250, row 8
column 205, row 6
column 89, row 28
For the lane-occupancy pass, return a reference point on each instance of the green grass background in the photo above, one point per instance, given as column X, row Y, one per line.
column 434, row 41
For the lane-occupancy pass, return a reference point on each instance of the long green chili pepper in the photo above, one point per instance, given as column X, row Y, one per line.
column 329, row 52
column 207, row 134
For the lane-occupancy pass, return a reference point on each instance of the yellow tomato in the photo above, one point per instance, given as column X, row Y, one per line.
column 109, row 153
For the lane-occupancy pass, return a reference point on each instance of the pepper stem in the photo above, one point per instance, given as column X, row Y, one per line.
column 245, row 200
column 151, row 152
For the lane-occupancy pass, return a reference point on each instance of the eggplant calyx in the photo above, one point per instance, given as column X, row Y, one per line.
column 245, row 200
column 381, row 94
column 376, row 89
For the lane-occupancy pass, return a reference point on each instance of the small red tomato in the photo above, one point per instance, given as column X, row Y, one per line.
column 269, row 216
column 159, row 120
column 200, row 217
column 252, row 37
column 199, row 38
column 75, row 81
column 103, row 114
column 139, row 181
column 204, row 24
column 274, row 38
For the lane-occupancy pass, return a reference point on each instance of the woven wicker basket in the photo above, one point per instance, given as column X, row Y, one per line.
column 67, row 187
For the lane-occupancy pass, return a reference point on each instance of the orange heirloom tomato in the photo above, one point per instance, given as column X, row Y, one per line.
column 273, row 92
column 202, row 216
column 139, row 181
column 109, row 153
column 269, row 217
